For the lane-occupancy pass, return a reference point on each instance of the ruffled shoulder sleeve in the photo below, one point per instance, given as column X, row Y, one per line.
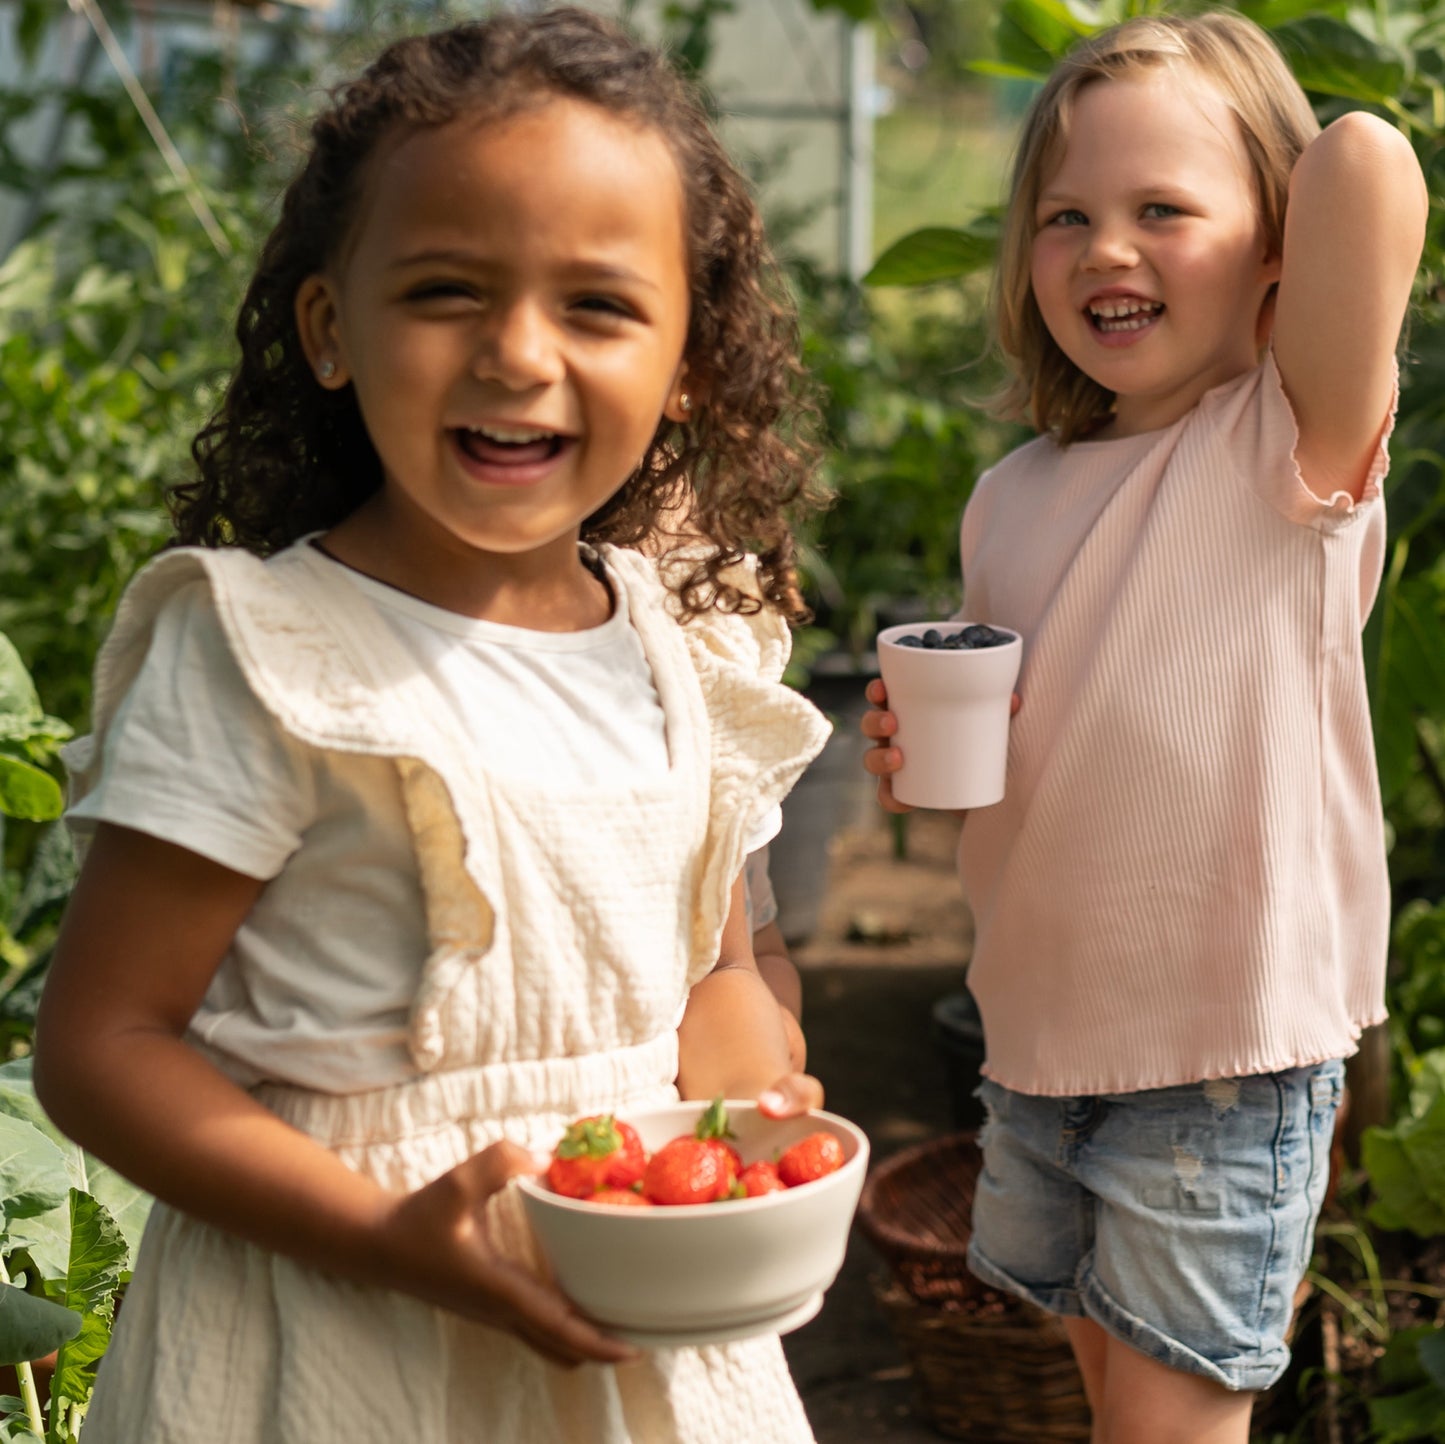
column 760, row 734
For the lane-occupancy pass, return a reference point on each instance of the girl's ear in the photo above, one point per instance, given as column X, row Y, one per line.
column 681, row 402
column 316, row 324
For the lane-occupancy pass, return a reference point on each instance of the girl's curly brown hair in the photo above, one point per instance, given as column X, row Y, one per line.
column 282, row 457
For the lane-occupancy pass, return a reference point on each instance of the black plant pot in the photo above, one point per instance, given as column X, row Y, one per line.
column 834, row 793
column 958, row 1036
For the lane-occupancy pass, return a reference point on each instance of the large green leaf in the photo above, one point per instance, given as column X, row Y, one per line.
column 1032, row 34
column 18, row 697
column 1432, row 1356
column 1400, row 1203
column 27, row 791
column 47, row 1235
column 31, row 1328
column 936, row 253
column 1332, row 57
column 1417, row 1415
column 97, row 1257
column 1406, row 667
column 1406, row 1162
column 33, row 1173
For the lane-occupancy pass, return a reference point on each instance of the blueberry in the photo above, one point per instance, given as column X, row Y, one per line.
column 931, row 637
column 979, row 636
column 910, row 641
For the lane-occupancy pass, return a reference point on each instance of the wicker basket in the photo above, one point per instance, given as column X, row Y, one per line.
column 988, row 1366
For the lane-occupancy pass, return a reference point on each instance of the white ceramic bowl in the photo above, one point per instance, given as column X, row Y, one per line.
column 673, row 1275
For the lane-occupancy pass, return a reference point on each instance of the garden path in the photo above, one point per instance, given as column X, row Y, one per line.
column 892, row 939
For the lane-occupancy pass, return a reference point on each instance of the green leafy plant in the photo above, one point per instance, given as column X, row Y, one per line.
column 38, row 865
column 68, row 1230
column 1406, row 1162
column 1411, row 1403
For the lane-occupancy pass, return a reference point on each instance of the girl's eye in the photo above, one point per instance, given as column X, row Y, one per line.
column 1160, row 211
column 1068, row 218
column 603, row 306
column 439, row 291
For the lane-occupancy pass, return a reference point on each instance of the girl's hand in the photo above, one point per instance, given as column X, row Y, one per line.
column 882, row 760
column 885, row 759
column 791, row 1095
column 432, row 1245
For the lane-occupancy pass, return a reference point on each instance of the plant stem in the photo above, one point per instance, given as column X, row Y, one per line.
column 25, row 1374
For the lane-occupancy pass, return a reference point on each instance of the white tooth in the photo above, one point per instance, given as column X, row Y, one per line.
column 510, row 436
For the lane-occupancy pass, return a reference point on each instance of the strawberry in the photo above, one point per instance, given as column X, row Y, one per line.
column 760, row 1178
column 810, row 1158
column 700, row 1167
column 687, row 1170
column 595, row 1153
column 620, row 1198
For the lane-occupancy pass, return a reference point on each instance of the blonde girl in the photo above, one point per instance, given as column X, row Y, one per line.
column 1182, row 901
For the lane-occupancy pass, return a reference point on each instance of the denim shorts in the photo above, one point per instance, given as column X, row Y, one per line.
column 1179, row 1219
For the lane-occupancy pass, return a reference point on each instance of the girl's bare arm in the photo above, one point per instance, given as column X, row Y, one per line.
column 732, row 1039
column 1353, row 236
column 145, row 931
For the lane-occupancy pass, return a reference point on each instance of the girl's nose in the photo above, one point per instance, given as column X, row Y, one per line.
column 1110, row 248
column 518, row 348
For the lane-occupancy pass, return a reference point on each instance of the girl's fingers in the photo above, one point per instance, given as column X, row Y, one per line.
column 882, row 761
column 487, row 1172
column 876, row 692
column 792, row 1094
column 878, row 726
column 550, row 1324
column 886, row 799
column 1015, row 702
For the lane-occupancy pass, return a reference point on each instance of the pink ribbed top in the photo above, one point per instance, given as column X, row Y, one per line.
column 1186, row 878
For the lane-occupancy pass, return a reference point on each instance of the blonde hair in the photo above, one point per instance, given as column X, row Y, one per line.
column 1275, row 123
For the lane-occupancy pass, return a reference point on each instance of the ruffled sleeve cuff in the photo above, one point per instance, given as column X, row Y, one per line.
column 764, row 735
column 1278, row 477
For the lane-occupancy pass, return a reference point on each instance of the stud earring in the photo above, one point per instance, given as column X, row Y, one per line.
column 684, row 404
column 328, row 370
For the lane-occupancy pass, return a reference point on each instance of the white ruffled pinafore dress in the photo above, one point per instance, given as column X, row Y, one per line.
column 564, row 933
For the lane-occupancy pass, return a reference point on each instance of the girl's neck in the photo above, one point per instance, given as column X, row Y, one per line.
column 552, row 589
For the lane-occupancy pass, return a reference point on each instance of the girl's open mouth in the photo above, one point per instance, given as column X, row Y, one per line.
column 508, row 446
column 1122, row 315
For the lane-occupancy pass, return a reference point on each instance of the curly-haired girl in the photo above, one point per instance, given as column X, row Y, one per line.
column 417, row 802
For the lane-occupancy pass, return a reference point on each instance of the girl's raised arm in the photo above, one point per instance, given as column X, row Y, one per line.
column 1354, row 231
column 145, row 931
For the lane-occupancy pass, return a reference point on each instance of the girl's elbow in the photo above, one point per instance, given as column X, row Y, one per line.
column 1372, row 152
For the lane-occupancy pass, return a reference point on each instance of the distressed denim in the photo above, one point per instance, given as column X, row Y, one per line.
column 1180, row 1219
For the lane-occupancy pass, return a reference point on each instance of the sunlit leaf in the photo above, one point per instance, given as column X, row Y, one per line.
column 1334, row 58
column 26, row 791
column 97, row 1257
column 936, row 253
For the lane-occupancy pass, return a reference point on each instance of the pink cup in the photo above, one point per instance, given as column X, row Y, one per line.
column 953, row 715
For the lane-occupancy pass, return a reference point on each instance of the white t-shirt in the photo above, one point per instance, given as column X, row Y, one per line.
column 194, row 758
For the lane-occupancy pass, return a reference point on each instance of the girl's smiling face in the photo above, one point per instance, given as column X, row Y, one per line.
column 1149, row 264
column 511, row 308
